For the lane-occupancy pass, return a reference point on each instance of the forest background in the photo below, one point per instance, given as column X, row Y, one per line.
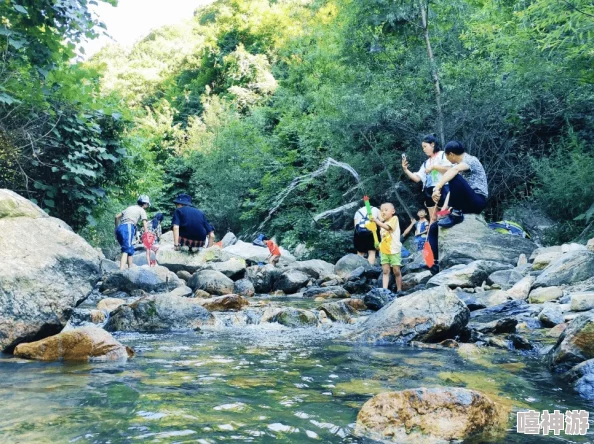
column 237, row 101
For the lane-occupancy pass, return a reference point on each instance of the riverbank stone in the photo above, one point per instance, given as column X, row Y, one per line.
column 45, row 270
column 348, row 263
column 263, row 277
column 431, row 415
column 331, row 292
column 212, row 281
column 378, row 298
column 338, row 311
column 576, row 343
column 471, row 275
column 244, row 287
column 159, row 313
column 293, row 317
column 150, row 279
column 545, row 294
column 571, row 268
column 81, row 344
column 427, row 316
column 234, row 268
column 228, row 302
column 582, row 301
column 254, row 254
column 291, row 281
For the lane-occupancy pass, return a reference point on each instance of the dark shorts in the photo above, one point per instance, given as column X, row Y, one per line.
column 191, row 242
column 363, row 241
column 125, row 236
column 428, row 196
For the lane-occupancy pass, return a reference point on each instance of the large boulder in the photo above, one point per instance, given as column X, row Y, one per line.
column 291, row 281
column 244, row 287
column 80, row 344
column 159, row 313
column 253, row 254
column 473, row 240
column 431, row 415
column 180, row 260
column 234, row 268
column 582, row 377
column 551, row 315
column 570, row 268
column 314, row 268
column 347, row 264
column 45, row 270
column 263, row 277
column 576, row 343
column 472, row 274
column 582, row 301
column 426, row 316
column 149, row 279
column 211, row 281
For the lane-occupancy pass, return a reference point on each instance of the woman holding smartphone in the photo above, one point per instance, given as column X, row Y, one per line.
column 430, row 172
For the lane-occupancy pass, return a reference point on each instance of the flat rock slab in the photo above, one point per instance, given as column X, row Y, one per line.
column 253, row 254
column 149, row 279
column 472, row 274
column 571, row 268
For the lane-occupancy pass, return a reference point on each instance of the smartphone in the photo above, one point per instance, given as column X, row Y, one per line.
column 403, row 156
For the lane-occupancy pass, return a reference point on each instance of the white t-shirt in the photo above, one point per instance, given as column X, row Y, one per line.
column 362, row 214
column 433, row 178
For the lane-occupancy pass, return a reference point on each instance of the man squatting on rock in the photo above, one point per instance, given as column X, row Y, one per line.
column 125, row 228
column 190, row 226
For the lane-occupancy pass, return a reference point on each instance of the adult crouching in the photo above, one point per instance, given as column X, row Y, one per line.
column 190, row 226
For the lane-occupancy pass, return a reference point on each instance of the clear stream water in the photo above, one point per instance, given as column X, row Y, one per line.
column 252, row 384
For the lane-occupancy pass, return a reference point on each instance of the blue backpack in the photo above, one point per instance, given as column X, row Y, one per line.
column 509, row 227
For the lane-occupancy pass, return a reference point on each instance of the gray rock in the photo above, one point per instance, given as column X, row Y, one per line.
column 378, row 298
column 470, row 299
column 516, row 309
column 184, row 275
column 545, row 294
column 253, row 254
column 244, row 287
column 108, row 266
column 521, row 289
column 263, row 277
column 551, row 315
column 291, row 281
column 472, row 274
column 338, row 311
column 45, row 270
column 583, row 301
column 576, row 343
column 504, row 325
column 413, row 279
column 294, row 317
column 505, row 278
column 474, row 240
column 184, row 291
column 347, row 264
column 149, row 279
column 582, row 377
column 426, row 316
column 234, row 268
column 228, row 302
column 159, row 313
column 331, row 292
column 569, row 269
column 228, row 240
column 491, row 298
column 519, row 342
column 314, row 268
column 543, row 260
column 211, row 281
column 190, row 262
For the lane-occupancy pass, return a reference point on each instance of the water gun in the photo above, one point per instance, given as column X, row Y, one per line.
column 370, row 225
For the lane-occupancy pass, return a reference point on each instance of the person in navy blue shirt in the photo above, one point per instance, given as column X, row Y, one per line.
column 190, row 226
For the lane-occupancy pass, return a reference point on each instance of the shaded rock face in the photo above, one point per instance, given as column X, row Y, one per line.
column 582, row 377
column 253, row 254
column 291, row 281
column 347, row 264
column 263, row 277
column 378, row 298
column 149, row 279
column 505, row 278
column 211, row 281
column 159, row 313
column 82, row 317
column 81, row 344
column 431, row 415
column 234, row 268
column 330, row 292
column 426, row 316
column 473, row 240
column 110, row 304
column 45, row 270
column 411, row 280
column 575, row 345
column 314, row 268
column 229, row 302
column 569, row 269
column 293, row 317
column 244, row 287
column 551, row 315
column 229, row 239
column 467, row 275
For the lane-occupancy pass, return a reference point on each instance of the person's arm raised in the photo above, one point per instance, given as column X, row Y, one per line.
column 412, row 176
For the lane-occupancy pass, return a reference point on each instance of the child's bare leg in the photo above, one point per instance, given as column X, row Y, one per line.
column 385, row 275
column 123, row 260
column 432, row 213
column 148, row 256
column 130, row 261
column 398, row 276
column 371, row 257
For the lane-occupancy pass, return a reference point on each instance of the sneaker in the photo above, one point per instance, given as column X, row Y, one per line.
column 454, row 218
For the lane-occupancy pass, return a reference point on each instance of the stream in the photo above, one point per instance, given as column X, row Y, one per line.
column 255, row 383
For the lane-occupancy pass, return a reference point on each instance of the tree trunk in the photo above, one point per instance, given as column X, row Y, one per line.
column 423, row 7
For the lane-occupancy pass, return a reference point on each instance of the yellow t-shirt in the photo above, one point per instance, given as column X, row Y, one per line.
column 391, row 238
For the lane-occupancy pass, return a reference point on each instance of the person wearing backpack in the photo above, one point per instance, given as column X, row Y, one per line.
column 430, row 172
column 363, row 238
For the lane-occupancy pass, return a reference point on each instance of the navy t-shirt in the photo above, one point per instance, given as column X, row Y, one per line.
column 192, row 223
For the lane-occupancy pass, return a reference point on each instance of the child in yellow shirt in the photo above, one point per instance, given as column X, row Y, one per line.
column 390, row 245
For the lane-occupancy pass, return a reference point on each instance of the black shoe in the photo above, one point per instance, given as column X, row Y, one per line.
column 434, row 269
column 455, row 217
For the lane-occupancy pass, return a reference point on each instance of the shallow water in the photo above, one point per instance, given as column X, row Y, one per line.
column 254, row 384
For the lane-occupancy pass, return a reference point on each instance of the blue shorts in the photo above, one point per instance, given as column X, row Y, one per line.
column 125, row 236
